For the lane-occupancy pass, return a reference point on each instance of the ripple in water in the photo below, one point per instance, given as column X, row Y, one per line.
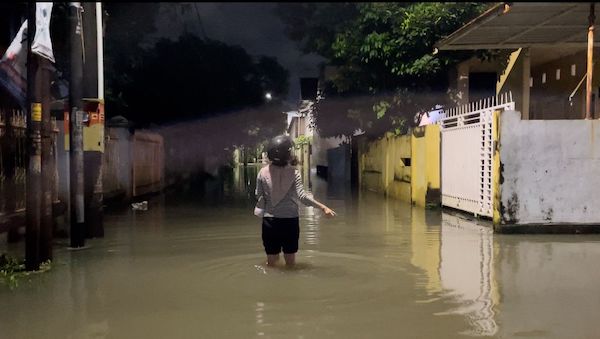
column 332, row 279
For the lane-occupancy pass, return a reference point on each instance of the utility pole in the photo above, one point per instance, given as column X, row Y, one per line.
column 76, row 128
column 47, row 173
column 93, row 94
column 590, row 63
column 34, row 141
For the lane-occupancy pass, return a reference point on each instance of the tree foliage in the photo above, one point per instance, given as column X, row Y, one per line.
column 383, row 53
column 192, row 78
column 207, row 96
column 210, row 95
column 127, row 29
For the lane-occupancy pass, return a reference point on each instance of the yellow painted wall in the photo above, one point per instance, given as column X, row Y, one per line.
column 399, row 190
column 382, row 168
column 372, row 163
column 425, row 169
column 496, row 173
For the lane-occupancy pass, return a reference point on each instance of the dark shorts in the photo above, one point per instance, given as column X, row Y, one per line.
column 280, row 233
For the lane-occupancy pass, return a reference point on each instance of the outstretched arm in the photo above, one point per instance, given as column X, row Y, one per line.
column 306, row 199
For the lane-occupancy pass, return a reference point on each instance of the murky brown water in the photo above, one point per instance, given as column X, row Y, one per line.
column 186, row 269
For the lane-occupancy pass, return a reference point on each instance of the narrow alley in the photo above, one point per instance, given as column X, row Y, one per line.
column 383, row 269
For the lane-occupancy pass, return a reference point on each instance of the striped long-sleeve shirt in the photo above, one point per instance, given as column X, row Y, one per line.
column 287, row 207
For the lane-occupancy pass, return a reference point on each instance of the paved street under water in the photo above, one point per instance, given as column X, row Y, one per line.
column 192, row 267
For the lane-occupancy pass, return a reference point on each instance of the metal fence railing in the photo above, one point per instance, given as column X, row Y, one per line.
column 13, row 164
column 467, row 154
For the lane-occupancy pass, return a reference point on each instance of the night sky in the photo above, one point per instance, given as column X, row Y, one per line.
column 254, row 26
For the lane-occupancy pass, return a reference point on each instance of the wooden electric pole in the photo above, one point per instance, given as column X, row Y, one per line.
column 34, row 147
column 76, row 128
column 47, row 173
column 590, row 64
column 93, row 101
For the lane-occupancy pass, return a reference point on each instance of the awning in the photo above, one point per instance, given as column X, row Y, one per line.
column 524, row 24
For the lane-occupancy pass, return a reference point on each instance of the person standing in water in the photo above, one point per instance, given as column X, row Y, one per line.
column 279, row 188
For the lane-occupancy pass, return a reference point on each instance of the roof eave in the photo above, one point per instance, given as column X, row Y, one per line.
column 490, row 14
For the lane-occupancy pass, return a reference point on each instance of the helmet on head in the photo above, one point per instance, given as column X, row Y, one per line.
column 279, row 150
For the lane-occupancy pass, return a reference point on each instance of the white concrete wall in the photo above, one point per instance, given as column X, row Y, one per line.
column 550, row 171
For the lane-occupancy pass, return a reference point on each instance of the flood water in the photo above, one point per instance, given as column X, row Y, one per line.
column 192, row 266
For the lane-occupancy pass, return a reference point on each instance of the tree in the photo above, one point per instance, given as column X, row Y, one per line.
column 193, row 78
column 127, row 27
column 382, row 52
column 316, row 25
column 206, row 96
column 271, row 76
column 209, row 97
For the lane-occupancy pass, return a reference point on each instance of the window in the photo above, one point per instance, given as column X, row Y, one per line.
column 530, row 82
column 558, row 74
column 573, row 69
column 543, row 78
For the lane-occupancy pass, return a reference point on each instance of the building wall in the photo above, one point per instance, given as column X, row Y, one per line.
column 320, row 147
column 371, row 166
column 116, row 169
column 511, row 79
column 405, row 167
column 425, row 165
column 133, row 165
column 382, row 164
column 549, row 100
column 338, row 171
column 459, row 79
column 148, row 162
column 548, row 171
column 398, row 171
column 551, row 84
column 293, row 128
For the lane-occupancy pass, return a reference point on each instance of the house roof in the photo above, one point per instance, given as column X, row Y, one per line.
column 524, row 24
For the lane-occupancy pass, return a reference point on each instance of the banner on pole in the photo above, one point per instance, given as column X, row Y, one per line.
column 42, row 44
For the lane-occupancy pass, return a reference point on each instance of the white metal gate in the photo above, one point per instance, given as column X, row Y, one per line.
column 467, row 154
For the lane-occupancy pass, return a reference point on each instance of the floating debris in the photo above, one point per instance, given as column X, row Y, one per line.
column 140, row 206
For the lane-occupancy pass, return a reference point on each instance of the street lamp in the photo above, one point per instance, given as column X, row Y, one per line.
column 268, row 96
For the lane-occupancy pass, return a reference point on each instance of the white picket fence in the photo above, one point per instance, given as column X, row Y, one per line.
column 467, row 154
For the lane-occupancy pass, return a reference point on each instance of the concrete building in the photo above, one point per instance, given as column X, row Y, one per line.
column 546, row 44
column 315, row 152
column 300, row 130
column 525, row 156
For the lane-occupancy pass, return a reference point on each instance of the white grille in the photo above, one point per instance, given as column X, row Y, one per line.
column 467, row 154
